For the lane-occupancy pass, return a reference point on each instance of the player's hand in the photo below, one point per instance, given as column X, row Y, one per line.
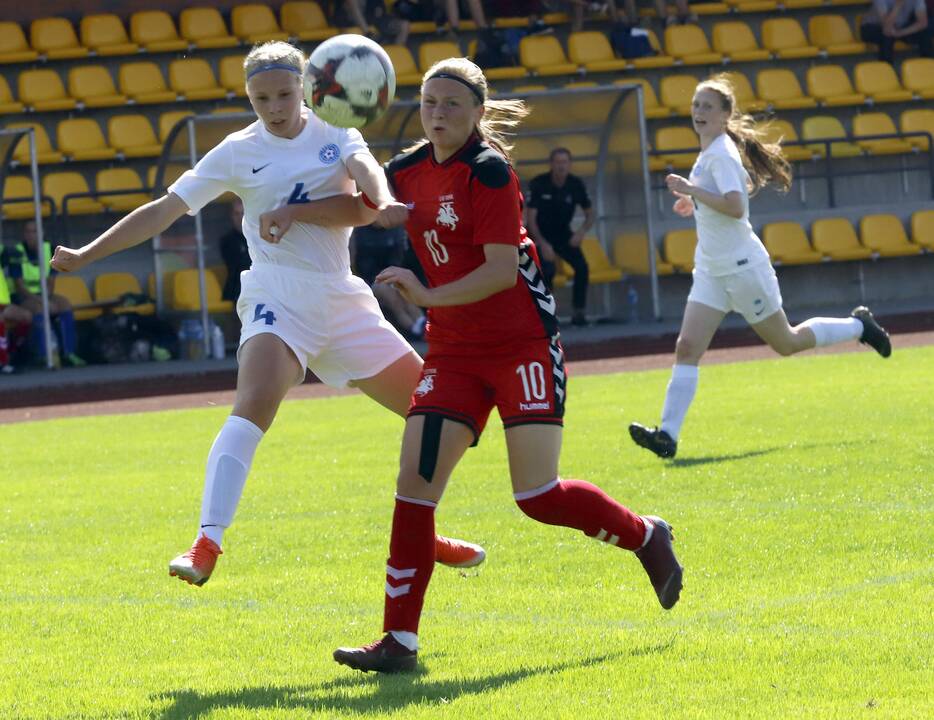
column 275, row 223
column 576, row 239
column 68, row 260
column 392, row 214
column 678, row 185
column 408, row 285
column 546, row 251
column 684, row 206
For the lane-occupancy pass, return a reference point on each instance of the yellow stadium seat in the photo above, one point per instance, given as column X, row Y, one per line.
column 7, row 103
column 220, row 272
column 745, row 96
column 231, row 75
column 599, row 265
column 780, row 88
column 194, row 79
column 679, row 249
column 825, row 127
column 831, row 86
column 45, row 153
column 13, row 45
column 169, row 120
column 788, row 244
column 878, row 81
column 885, row 235
column 133, row 136
column 735, row 40
column 531, row 153
column 144, row 83
column 676, row 138
column 82, row 139
column 172, row 173
column 123, row 179
column 155, row 31
column 185, row 294
column 544, row 56
column 55, row 38
column 677, row 92
column 650, row 102
column 204, row 27
column 112, row 286
column 918, row 76
column 922, row 228
column 305, row 21
column 74, row 288
column 835, row 238
column 43, row 90
column 688, row 44
column 631, row 252
column 833, row 35
column 785, row 38
column 878, row 123
column 105, row 35
column 920, row 120
column 592, row 51
column 406, row 71
column 432, row 51
column 19, row 187
column 93, row 86
column 782, row 132
column 659, row 60
column 254, row 23
column 59, row 184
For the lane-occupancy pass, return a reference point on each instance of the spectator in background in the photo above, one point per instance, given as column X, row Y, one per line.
column 553, row 199
column 682, row 14
column 605, row 10
column 21, row 265
column 15, row 319
column 531, row 9
column 234, row 251
column 893, row 20
column 372, row 249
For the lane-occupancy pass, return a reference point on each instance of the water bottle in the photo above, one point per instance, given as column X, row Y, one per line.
column 633, row 297
column 217, row 342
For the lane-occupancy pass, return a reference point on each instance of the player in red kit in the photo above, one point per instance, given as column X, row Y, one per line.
column 492, row 341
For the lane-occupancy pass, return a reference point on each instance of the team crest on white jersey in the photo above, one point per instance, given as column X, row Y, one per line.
column 447, row 215
column 425, row 385
column 329, row 154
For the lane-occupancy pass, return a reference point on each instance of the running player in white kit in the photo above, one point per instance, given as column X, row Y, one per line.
column 732, row 269
column 300, row 307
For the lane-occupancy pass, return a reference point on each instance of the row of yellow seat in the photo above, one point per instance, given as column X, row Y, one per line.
column 833, row 238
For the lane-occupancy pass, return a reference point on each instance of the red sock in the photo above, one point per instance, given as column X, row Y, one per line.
column 410, row 564
column 578, row 504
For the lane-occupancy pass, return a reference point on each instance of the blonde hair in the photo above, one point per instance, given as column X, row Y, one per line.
column 274, row 52
column 500, row 117
column 765, row 162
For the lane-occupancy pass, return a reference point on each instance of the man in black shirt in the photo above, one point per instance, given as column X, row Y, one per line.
column 235, row 252
column 553, row 199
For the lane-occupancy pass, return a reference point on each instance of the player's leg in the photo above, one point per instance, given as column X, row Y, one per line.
column 268, row 368
column 822, row 331
column 575, row 258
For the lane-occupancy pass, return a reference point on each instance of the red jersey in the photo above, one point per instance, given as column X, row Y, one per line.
column 471, row 199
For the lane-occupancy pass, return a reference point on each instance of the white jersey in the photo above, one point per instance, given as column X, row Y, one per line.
column 724, row 244
column 266, row 172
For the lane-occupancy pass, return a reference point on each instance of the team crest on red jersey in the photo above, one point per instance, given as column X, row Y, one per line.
column 447, row 216
column 425, row 385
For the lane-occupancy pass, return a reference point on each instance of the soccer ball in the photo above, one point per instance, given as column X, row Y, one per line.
column 349, row 81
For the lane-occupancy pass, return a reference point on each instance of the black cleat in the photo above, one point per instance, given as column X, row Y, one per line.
column 658, row 441
column 661, row 565
column 387, row 656
column 873, row 333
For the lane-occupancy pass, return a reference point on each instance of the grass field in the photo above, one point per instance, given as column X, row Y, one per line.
column 802, row 500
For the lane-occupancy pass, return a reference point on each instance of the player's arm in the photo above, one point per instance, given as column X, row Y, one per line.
column 137, row 227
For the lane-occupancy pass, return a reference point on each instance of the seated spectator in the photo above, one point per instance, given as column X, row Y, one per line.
column 682, row 14
column 373, row 249
column 21, row 265
column 14, row 327
column 364, row 14
column 531, row 9
column 892, row 20
column 234, row 251
column 605, row 10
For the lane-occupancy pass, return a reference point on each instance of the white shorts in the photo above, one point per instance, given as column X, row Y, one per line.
column 331, row 321
column 752, row 292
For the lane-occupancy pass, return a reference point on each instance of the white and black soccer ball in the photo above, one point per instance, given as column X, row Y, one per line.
column 349, row 81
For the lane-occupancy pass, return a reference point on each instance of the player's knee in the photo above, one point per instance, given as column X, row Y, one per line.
column 785, row 346
column 687, row 349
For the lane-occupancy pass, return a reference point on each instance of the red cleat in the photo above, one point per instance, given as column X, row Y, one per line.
column 196, row 565
column 457, row 553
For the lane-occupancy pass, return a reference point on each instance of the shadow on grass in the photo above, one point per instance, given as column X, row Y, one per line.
column 387, row 692
column 692, row 461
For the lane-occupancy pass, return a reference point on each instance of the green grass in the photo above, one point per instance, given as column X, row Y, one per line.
column 802, row 501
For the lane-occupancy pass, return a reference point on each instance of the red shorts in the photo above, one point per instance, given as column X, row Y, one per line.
column 526, row 383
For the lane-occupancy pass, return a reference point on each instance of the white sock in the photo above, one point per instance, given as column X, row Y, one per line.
column 678, row 398
column 409, row 639
column 830, row 331
column 228, row 465
column 649, row 529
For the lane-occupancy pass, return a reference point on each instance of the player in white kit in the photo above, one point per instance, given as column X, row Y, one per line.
column 732, row 269
column 300, row 307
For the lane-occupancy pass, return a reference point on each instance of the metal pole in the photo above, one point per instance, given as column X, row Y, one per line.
column 199, row 244
column 40, row 250
column 646, row 189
